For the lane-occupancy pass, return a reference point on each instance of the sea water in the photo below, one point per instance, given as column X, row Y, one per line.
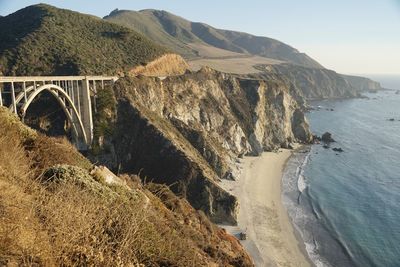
column 346, row 206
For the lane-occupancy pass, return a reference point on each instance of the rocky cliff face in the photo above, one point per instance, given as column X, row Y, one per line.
column 362, row 83
column 319, row 83
column 312, row 83
column 187, row 131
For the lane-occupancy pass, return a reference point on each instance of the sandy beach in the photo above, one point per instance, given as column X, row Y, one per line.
column 271, row 239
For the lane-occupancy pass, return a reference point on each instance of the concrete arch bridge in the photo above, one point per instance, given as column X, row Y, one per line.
column 75, row 95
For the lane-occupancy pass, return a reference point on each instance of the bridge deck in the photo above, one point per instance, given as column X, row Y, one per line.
column 9, row 79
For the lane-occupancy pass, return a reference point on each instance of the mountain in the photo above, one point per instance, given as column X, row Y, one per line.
column 194, row 39
column 44, row 40
column 241, row 53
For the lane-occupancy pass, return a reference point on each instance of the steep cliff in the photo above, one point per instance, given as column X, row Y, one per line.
column 313, row 83
column 362, row 83
column 187, row 131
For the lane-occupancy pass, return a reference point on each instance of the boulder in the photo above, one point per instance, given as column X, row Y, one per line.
column 316, row 139
column 327, row 138
column 103, row 174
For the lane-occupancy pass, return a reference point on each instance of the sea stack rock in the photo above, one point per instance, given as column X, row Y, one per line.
column 327, row 138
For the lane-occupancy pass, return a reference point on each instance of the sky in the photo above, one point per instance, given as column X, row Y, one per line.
column 348, row 36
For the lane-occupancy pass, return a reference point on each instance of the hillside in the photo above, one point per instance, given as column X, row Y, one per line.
column 193, row 39
column 44, row 40
column 56, row 209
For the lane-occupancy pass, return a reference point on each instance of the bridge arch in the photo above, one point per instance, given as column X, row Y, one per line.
column 65, row 102
column 73, row 93
column 21, row 95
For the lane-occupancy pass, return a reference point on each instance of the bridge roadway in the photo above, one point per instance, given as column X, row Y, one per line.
column 75, row 95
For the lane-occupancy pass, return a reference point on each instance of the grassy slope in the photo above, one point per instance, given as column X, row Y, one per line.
column 160, row 26
column 61, row 215
column 42, row 39
column 152, row 28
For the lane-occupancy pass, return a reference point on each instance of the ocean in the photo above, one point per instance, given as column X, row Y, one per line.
column 346, row 206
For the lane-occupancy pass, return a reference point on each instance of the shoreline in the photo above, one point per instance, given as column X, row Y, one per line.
column 272, row 239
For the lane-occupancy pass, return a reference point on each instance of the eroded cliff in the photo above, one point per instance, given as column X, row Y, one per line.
column 318, row 83
column 362, row 83
column 312, row 83
column 187, row 131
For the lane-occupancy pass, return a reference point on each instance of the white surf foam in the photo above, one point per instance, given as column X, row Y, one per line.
column 301, row 183
column 294, row 181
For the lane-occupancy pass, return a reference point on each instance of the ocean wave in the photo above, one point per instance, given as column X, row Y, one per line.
column 312, row 250
column 301, row 183
column 294, row 182
column 301, row 180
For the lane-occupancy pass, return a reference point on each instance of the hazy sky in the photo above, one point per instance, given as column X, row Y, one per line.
column 349, row 36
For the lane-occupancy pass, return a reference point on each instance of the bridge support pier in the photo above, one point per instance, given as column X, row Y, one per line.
column 86, row 110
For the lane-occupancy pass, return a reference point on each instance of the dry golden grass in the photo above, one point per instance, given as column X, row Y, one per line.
column 67, row 223
column 166, row 65
column 236, row 65
column 62, row 216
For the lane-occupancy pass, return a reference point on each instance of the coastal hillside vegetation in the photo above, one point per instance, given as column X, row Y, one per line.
column 44, row 40
column 56, row 209
column 191, row 39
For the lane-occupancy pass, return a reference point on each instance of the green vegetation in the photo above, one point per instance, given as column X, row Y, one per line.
column 149, row 25
column 103, row 118
column 44, row 40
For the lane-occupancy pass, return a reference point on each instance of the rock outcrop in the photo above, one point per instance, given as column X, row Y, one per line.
column 327, row 138
column 187, row 131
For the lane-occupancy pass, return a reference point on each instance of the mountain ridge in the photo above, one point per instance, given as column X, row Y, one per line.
column 240, row 53
column 186, row 32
